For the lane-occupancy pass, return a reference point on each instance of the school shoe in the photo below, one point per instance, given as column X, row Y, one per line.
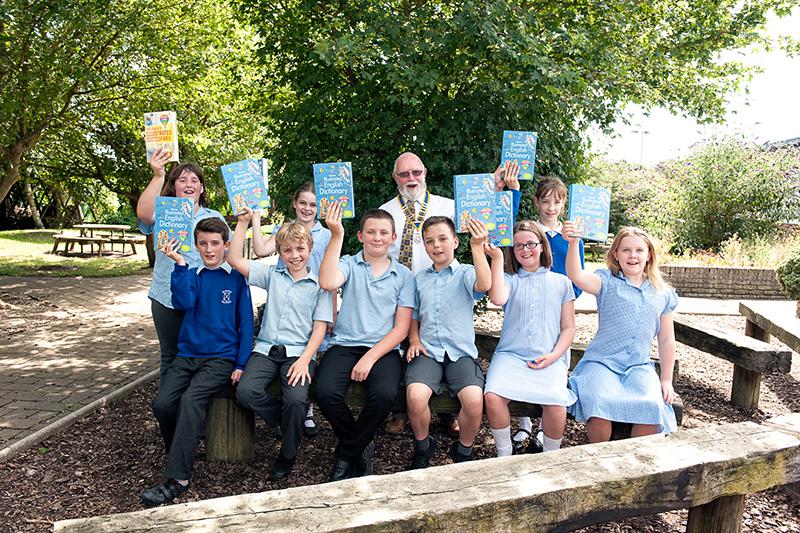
column 457, row 456
column 535, row 443
column 342, row 469
column 365, row 466
column 281, row 468
column 310, row 428
column 161, row 494
column 518, row 446
column 423, row 459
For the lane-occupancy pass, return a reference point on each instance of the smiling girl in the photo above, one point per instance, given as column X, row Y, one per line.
column 615, row 380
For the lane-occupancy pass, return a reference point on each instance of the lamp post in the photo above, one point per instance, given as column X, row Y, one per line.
column 643, row 132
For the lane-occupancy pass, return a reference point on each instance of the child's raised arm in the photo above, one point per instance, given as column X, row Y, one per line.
column 666, row 354
column 478, row 240
column 586, row 281
column 262, row 246
column 146, row 206
column 236, row 254
column 330, row 277
column 498, row 293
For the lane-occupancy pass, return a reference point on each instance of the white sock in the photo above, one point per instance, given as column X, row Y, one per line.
column 502, row 441
column 309, row 423
column 524, row 422
column 551, row 445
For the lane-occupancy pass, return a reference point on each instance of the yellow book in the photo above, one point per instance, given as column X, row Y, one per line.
column 161, row 131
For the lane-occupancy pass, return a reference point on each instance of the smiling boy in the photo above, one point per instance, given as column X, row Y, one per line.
column 213, row 346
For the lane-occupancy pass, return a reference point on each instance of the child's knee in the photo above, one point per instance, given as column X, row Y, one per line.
column 417, row 397
column 245, row 392
column 163, row 407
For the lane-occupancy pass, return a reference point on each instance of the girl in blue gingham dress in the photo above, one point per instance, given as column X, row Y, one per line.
column 615, row 380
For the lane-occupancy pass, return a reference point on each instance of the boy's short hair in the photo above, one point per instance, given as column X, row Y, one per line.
column 378, row 214
column 550, row 185
column 293, row 232
column 213, row 225
column 439, row 220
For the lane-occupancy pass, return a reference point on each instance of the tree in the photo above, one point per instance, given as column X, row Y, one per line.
column 70, row 65
column 365, row 80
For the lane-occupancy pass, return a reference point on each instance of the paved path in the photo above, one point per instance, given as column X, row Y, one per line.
column 67, row 342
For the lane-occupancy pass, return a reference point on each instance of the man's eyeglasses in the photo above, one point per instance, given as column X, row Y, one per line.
column 408, row 173
column 526, row 246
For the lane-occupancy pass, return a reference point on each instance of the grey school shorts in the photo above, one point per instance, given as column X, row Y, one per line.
column 457, row 374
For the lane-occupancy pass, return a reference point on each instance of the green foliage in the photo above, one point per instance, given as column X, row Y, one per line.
column 727, row 187
column 788, row 275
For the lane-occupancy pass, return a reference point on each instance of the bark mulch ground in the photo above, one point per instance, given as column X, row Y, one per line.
column 102, row 463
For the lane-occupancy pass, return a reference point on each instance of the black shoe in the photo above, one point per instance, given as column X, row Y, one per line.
column 312, row 430
column 365, row 467
column 423, row 459
column 457, row 456
column 281, row 468
column 161, row 494
column 342, row 469
column 534, row 446
column 518, row 446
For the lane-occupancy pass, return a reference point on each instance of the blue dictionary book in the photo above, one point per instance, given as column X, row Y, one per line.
column 502, row 234
column 590, row 209
column 333, row 182
column 174, row 221
column 474, row 194
column 247, row 183
column 520, row 147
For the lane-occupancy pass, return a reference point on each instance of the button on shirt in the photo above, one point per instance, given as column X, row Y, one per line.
column 629, row 318
column 162, row 270
column 532, row 321
column 445, row 301
column 437, row 206
column 369, row 303
column 292, row 306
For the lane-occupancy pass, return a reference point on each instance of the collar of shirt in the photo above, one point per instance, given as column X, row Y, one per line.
column 392, row 263
column 524, row 273
column 309, row 275
column 551, row 232
column 224, row 266
column 646, row 283
column 454, row 264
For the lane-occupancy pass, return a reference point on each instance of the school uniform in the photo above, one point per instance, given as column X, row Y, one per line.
column 367, row 315
column 166, row 318
column 558, row 247
column 215, row 338
column 616, row 380
column 291, row 309
column 444, row 308
column 531, row 328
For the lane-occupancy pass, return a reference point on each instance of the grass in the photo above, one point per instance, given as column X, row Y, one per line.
column 29, row 253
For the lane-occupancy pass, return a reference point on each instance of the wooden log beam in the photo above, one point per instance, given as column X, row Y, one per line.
column 781, row 323
column 556, row 491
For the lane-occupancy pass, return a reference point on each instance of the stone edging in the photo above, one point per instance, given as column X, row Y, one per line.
column 35, row 438
column 724, row 282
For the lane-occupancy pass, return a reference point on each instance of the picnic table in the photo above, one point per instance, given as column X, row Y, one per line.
column 106, row 234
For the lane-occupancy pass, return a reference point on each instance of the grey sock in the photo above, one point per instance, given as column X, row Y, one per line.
column 422, row 445
column 464, row 450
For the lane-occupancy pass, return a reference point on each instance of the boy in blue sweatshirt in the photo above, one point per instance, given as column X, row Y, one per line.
column 213, row 346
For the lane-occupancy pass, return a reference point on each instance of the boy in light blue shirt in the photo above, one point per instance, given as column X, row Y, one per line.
column 442, row 339
column 295, row 318
column 377, row 303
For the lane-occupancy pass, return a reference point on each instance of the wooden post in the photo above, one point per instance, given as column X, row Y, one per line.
column 751, row 329
column 746, row 388
column 723, row 515
column 230, row 430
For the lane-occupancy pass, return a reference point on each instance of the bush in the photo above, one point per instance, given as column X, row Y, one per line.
column 788, row 275
column 728, row 187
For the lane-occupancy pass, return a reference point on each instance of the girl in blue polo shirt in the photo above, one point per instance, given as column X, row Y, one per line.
column 615, row 380
column 532, row 357
column 184, row 181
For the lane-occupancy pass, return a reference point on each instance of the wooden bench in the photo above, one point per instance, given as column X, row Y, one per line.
column 707, row 470
column 592, row 248
column 131, row 240
column 71, row 240
column 750, row 357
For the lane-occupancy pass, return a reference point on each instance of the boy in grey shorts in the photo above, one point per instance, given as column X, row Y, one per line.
column 442, row 337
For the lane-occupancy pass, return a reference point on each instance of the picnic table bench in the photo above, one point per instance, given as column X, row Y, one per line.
column 71, row 240
column 707, row 470
column 98, row 235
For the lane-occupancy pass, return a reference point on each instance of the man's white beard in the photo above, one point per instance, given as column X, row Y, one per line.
column 412, row 195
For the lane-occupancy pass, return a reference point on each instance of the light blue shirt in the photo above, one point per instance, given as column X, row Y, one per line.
column 532, row 321
column 321, row 237
column 445, row 301
column 369, row 303
column 629, row 318
column 291, row 308
column 162, row 270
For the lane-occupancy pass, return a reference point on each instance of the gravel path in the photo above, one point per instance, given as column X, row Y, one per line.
column 99, row 465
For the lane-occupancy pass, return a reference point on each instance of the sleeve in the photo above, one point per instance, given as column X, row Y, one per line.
column 146, row 229
column 469, row 276
column 417, row 301
column 405, row 296
column 672, row 301
column 566, row 289
column 244, row 317
column 259, row 274
column 516, row 196
column 323, row 311
column 184, row 286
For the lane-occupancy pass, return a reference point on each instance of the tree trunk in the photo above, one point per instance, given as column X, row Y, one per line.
column 37, row 220
column 13, row 157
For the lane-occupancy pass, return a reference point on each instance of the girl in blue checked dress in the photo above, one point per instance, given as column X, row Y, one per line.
column 531, row 360
column 615, row 380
